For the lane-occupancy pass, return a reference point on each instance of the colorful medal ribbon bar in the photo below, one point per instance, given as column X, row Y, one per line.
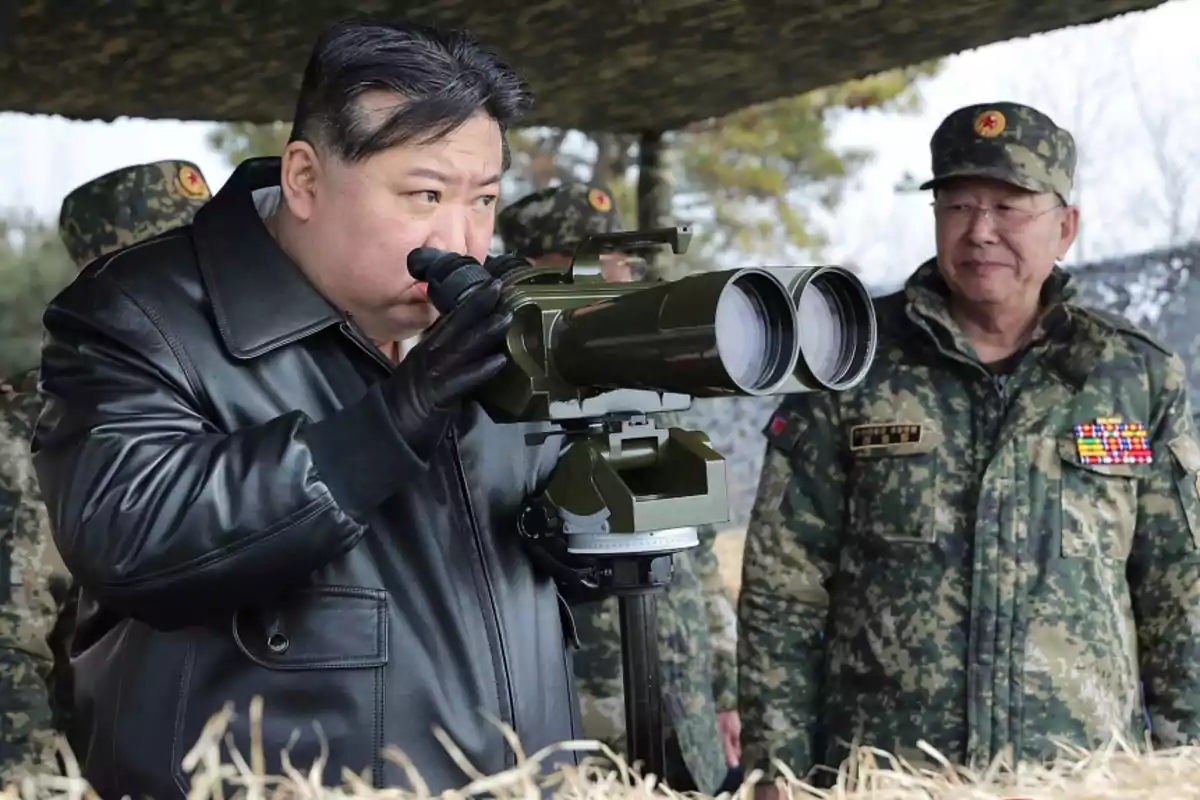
column 1109, row 440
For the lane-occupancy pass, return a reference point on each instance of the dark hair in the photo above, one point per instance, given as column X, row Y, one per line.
column 443, row 78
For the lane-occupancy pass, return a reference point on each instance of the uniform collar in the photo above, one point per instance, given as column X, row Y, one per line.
column 1065, row 337
column 260, row 298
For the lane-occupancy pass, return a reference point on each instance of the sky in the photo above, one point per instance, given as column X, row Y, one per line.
column 1120, row 86
column 1111, row 84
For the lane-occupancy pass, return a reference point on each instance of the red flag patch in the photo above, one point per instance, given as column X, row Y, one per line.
column 783, row 431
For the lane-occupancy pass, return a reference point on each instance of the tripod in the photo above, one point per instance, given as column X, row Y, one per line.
column 609, row 521
column 637, row 581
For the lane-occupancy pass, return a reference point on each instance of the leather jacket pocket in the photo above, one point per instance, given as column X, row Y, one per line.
column 895, row 490
column 1097, row 506
column 318, row 659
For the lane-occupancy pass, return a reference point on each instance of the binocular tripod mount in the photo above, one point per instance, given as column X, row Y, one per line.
column 625, row 497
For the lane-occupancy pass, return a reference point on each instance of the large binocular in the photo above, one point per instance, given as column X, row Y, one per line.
column 582, row 348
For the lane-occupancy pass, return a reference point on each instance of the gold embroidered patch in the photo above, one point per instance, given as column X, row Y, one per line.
column 864, row 437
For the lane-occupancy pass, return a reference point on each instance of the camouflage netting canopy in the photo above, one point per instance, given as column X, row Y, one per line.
column 619, row 66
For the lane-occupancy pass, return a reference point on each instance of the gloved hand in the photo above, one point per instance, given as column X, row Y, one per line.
column 463, row 350
column 499, row 266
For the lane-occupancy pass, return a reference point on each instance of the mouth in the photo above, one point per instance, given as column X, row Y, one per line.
column 982, row 266
column 416, row 292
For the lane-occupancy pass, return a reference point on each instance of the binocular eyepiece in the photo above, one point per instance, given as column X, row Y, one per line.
column 450, row 276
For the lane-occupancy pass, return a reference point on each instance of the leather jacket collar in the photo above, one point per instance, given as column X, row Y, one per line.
column 260, row 298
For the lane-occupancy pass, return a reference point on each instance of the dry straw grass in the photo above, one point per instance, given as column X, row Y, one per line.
column 1119, row 772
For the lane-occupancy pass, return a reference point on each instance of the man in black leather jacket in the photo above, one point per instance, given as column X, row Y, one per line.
column 260, row 494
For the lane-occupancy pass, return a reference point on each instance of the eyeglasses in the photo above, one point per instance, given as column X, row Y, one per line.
column 1003, row 217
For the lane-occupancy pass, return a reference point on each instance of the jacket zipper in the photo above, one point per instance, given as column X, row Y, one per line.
column 976, row 637
column 351, row 331
column 509, row 758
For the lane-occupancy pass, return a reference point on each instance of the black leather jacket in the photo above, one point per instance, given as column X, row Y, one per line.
column 225, row 486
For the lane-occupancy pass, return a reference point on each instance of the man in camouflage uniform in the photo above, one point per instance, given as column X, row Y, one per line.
column 130, row 205
column 949, row 551
column 697, row 629
column 546, row 226
column 33, row 590
column 37, row 600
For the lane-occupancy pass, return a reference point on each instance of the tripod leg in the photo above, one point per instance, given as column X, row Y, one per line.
column 644, row 736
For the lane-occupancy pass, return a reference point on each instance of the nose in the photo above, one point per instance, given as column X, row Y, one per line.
column 449, row 231
column 982, row 229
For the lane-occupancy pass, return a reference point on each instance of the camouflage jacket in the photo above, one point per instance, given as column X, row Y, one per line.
column 697, row 652
column 33, row 588
column 928, row 558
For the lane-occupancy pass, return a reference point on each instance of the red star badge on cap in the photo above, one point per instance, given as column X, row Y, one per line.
column 190, row 184
column 990, row 124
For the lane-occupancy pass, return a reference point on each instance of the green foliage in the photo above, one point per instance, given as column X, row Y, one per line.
column 34, row 266
column 761, row 174
column 753, row 183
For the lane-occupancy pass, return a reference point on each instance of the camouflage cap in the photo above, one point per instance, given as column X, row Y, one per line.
column 128, row 205
column 1005, row 141
column 557, row 219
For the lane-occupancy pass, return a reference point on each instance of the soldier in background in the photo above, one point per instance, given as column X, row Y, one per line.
column 37, row 599
column 33, row 593
column 697, row 624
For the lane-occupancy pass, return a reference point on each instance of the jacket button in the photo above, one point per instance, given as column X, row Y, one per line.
column 277, row 643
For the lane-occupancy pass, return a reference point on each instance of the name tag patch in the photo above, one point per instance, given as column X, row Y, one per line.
column 864, row 437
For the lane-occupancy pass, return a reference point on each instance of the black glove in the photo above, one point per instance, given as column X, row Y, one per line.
column 463, row 350
column 499, row 266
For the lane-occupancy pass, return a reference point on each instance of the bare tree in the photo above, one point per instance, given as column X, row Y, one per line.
column 1077, row 92
column 1086, row 103
column 1170, row 199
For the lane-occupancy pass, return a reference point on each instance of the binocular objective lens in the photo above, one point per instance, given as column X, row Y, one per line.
column 755, row 330
column 823, row 329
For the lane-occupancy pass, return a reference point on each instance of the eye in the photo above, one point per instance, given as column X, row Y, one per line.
column 427, row 195
column 487, row 200
column 1011, row 212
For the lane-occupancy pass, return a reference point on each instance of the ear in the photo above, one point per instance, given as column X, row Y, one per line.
column 299, row 175
column 1067, row 231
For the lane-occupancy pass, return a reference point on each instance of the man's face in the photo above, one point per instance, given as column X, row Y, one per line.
column 359, row 221
column 614, row 267
column 996, row 243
